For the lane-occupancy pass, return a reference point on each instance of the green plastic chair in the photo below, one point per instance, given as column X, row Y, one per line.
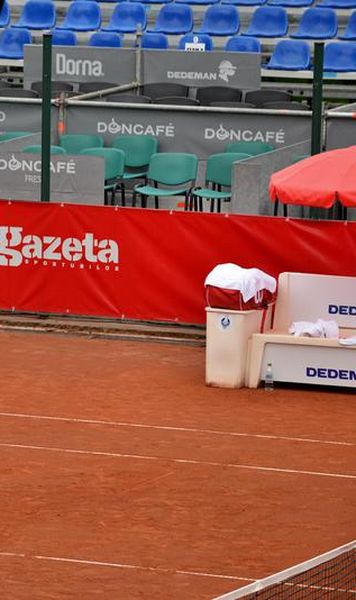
column 74, row 143
column 37, row 149
column 138, row 151
column 168, row 169
column 11, row 135
column 218, row 176
column 114, row 160
column 252, row 148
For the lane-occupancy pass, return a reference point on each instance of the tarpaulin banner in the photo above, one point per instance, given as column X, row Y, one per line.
column 147, row 264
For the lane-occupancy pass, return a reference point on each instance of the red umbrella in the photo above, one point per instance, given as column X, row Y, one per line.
column 318, row 181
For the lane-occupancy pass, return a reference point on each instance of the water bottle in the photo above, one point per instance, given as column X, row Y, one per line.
column 269, row 384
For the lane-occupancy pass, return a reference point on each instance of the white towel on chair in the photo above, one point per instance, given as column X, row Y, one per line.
column 320, row 328
column 250, row 282
column 350, row 341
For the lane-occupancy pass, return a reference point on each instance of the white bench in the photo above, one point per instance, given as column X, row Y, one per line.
column 307, row 297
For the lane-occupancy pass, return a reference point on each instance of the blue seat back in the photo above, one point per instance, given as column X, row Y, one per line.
column 38, row 14
column 196, row 38
column 350, row 31
column 290, row 55
column 240, row 43
column 5, row 15
column 269, row 21
column 154, row 40
column 174, row 18
column 105, row 39
column 221, row 20
column 317, row 23
column 83, row 15
column 340, row 56
column 128, row 17
column 63, row 37
column 12, row 42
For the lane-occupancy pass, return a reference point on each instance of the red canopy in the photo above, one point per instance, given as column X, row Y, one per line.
column 318, row 181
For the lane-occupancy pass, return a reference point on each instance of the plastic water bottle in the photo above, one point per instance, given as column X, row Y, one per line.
column 269, row 383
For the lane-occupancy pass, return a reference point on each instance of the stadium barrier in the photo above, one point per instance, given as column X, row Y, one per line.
column 148, row 264
column 340, row 127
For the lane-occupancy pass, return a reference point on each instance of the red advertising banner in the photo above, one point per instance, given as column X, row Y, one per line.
column 147, row 264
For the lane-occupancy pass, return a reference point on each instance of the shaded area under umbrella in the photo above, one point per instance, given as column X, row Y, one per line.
column 318, row 181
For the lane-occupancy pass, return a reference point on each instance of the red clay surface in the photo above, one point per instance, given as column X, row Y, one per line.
column 124, row 477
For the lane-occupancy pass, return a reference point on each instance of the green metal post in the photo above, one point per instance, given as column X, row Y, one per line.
column 317, row 98
column 46, row 117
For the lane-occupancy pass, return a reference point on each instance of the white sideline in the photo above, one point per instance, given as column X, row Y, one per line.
column 98, row 563
column 171, row 428
column 178, row 460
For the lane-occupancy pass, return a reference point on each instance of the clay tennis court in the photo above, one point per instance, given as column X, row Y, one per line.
column 124, row 477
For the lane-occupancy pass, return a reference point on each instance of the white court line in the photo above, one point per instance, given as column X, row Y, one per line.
column 97, row 563
column 178, row 460
column 171, row 428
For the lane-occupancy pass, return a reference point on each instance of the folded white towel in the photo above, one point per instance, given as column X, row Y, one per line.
column 250, row 282
column 350, row 341
column 320, row 328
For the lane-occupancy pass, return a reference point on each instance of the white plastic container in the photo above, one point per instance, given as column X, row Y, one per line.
column 227, row 335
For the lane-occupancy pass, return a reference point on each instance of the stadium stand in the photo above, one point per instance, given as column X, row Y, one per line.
column 244, row 2
column 127, row 18
column 260, row 97
column 337, row 3
column 158, row 90
column 350, row 31
column 291, row 3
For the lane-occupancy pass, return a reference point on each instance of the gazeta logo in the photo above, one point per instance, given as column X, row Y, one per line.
column 17, row 248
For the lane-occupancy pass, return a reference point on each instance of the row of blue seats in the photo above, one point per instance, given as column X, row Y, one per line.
column 287, row 55
column 175, row 19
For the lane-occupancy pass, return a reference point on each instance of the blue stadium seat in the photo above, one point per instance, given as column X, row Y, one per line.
column 350, row 31
column 317, row 23
column 152, row 1
column 196, row 2
column 63, row 37
column 268, row 21
column 244, row 2
column 174, row 18
column 220, row 20
column 340, row 56
column 12, row 42
column 5, row 15
column 154, row 40
column 290, row 55
column 127, row 17
column 37, row 14
column 239, row 43
column 336, row 4
column 82, row 15
column 196, row 38
column 105, row 39
column 290, row 3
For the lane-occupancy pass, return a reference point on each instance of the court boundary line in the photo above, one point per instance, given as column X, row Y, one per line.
column 178, row 460
column 172, row 428
column 98, row 563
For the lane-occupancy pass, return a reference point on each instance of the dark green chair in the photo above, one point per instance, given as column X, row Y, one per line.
column 218, row 176
column 11, row 135
column 37, row 149
column 252, row 148
column 114, row 160
column 74, row 143
column 176, row 170
column 138, row 151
